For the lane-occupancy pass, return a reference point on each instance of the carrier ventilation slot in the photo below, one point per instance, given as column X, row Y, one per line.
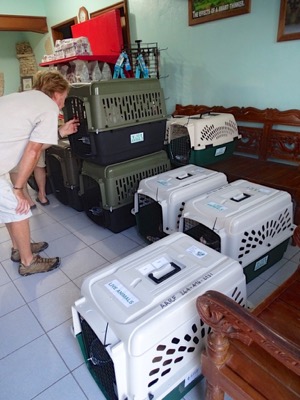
column 168, row 355
column 172, row 353
column 211, row 133
column 261, row 235
column 130, row 108
column 126, row 186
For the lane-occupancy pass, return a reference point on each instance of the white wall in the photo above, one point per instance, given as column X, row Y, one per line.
column 234, row 61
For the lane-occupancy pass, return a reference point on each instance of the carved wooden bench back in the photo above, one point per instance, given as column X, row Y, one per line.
column 253, row 355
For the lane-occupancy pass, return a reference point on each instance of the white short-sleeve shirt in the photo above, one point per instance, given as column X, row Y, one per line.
column 25, row 116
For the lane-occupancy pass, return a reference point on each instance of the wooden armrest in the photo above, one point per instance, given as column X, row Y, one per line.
column 296, row 236
column 229, row 319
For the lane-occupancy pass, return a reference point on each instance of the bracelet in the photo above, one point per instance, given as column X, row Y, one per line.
column 59, row 135
column 16, row 188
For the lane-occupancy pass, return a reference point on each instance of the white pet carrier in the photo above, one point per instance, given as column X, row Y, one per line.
column 137, row 322
column 159, row 200
column 249, row 222
column 201, row 139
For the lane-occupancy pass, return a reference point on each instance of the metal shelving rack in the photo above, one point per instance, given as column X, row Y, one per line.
column 150, row 53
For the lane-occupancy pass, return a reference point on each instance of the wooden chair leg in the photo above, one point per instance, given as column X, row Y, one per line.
column 296, row 236
column 213, row 392
column 217, row 348
column 216, row 352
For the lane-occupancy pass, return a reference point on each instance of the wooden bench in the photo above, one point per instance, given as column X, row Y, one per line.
column 268, row 152
column 253, row 355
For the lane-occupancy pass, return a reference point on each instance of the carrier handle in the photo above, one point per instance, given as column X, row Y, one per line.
column 183, row 176
column 162, row 278
column 204, row 114
column 240, row 197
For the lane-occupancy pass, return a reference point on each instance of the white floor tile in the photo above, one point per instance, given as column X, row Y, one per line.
column 89, row 386
column 4, row 277
column 4, row 236
column 127, row 253
column 261, row 293
column 30, row 370
column 78, row 222
column 34, row 286
column 65, row 389
column 40, row 221
column 266, row 275
column 114, row 246
column 67, row 345
column 65, row 246
column 283, row 273
column 93, row 234
column 11, row 269
column 54, row 308
column 10, row 298
column 49, row 233
column 296, row 258
column 132, row 233
column 291, row 251
column 254, row 285
column 27, row 330
column 81, row 262
column 56, row 211
column 5, row 250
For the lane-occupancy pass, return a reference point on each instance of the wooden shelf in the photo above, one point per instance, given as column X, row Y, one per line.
column 111, row 59
column 23, row 23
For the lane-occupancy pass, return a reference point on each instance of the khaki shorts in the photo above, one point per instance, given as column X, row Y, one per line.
column 41, row 163
column 9, row 202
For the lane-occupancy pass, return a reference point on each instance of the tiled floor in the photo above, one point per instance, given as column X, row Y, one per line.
column 39, row 357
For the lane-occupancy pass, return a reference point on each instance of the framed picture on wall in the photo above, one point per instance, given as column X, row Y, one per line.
column 201, row 11
column 26, row 83
column 289, row 20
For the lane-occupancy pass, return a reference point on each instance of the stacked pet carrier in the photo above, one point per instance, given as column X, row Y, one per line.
column 120, row 140
column 147, row 343
column 249, row 222
column 108, row 191
column 63, row 169
column 201, row 139
column 160, row 199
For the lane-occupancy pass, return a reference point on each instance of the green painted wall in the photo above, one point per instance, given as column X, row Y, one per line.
column 234, row 61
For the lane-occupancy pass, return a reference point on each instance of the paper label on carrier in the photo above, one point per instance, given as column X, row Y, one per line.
column 137, row 137
column 261, row 263
column 216, row 206
column 220, row 151
column 121, row 293
column 192, row 376
column 160, row 262
column 164, row 182
column 196, row 251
